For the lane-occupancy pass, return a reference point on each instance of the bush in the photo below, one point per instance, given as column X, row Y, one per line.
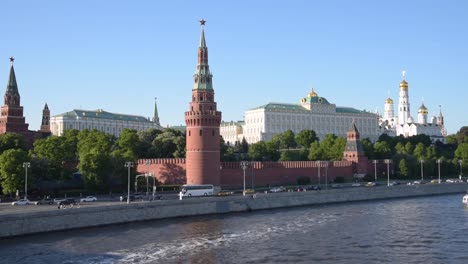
column 303, row 180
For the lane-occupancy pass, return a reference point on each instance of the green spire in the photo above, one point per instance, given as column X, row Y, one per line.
column 202, row 77
column 12, row 86
column 155, row 116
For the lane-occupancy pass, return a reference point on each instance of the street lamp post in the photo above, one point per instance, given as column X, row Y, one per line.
column 461, row 169
column 244, row 165
column 129, row 165
column 438, row 162
column 422, row 170
column 375, row 169
column 318, row 166
column 26, row 165
column 388, row 161
column 147, row 176
column 326, row 175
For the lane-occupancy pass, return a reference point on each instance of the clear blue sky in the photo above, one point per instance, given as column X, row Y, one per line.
column 119, row 55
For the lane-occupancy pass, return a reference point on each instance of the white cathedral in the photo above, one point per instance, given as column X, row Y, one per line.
column 404, row 124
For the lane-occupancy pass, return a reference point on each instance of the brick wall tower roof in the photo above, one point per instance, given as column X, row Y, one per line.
column 202, row 76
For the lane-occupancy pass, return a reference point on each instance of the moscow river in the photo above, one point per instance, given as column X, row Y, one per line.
column 417, row 230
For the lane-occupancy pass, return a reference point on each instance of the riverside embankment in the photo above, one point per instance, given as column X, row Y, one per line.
column 17, row 224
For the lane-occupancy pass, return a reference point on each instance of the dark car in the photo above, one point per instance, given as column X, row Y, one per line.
column 45, row 201
column 68, row 201
column 313, row 187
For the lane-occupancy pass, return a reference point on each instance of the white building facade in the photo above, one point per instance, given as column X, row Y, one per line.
column 313, row 112
column 405, row 125
column 101, row 120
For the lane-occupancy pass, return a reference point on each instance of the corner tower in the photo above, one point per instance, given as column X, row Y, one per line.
column 202, row 121
column 12, row 119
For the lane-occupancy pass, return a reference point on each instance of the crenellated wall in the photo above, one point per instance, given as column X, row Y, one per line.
column 173, row 171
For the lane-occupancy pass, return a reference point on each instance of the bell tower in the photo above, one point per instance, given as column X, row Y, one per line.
column 202, row 122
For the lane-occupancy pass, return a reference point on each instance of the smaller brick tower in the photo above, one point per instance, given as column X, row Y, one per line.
column 45, row 125
column 202, row 121
column 354, row 151
column 12, row 119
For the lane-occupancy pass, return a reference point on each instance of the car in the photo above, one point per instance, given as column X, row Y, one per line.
column 88, row 199
column 417, row 182
column 393, row 183
column 45, row 201
column 356, row 184
column 313, row 188
column 249, row 191
column 68, row 201
column 337, row 186
column 277, row 189
column 21, row 202
column 58, row 200
column 434, row 181
column 225, row 193
column 371, row 184
column 450, row 181
column 124, row 198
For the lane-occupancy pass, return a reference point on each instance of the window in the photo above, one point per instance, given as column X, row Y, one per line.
column 200, row 132
column 189, row 133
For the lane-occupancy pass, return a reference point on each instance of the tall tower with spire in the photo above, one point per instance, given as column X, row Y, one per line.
column 403, row 105
column 156, row 116
column 203, row 122
column 12, row 119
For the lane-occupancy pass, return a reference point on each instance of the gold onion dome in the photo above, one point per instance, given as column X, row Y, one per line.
column 404, row 85
column 423, row 109
column 389, row 101
column 312, row 93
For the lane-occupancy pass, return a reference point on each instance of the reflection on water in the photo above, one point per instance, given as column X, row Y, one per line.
column 431, row 229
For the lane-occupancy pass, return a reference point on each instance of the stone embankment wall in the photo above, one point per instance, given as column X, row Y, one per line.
column 45, row 221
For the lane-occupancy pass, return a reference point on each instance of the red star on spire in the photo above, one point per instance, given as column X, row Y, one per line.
column 202, row 22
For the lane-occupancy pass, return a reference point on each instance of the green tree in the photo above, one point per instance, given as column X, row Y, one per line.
column 420, row 151
column 94, row 149
column 368, row 148
column 403, row 169
column 382, row 150
column 461, row 153
column 57, row 151
column 306, row 137
column 129, row 143
column 11, row 141
column 315, row 151
column 12, row 171
column 409, row 148
column 288, row 140
column 258, row 151
column 400, row 148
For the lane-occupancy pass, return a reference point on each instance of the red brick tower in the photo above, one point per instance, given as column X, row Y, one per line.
column 45, row 125
column 354, row 151
column 202, row 121
column 12, row 119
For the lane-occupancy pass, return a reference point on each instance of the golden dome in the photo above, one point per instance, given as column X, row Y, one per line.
column 403, row 85
column 389, row 101
column 312, row 93
column 423, row 109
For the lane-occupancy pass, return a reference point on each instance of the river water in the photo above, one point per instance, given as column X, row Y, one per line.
column 416, row 230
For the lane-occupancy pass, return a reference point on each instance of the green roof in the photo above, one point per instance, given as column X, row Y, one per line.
column 349, row 110
column 101, row 114
column 299, row 108
column 281, row 106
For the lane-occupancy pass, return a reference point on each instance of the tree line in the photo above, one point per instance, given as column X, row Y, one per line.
column 100, row 157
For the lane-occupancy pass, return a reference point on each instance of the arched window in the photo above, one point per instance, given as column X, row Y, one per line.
column 189, row 133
